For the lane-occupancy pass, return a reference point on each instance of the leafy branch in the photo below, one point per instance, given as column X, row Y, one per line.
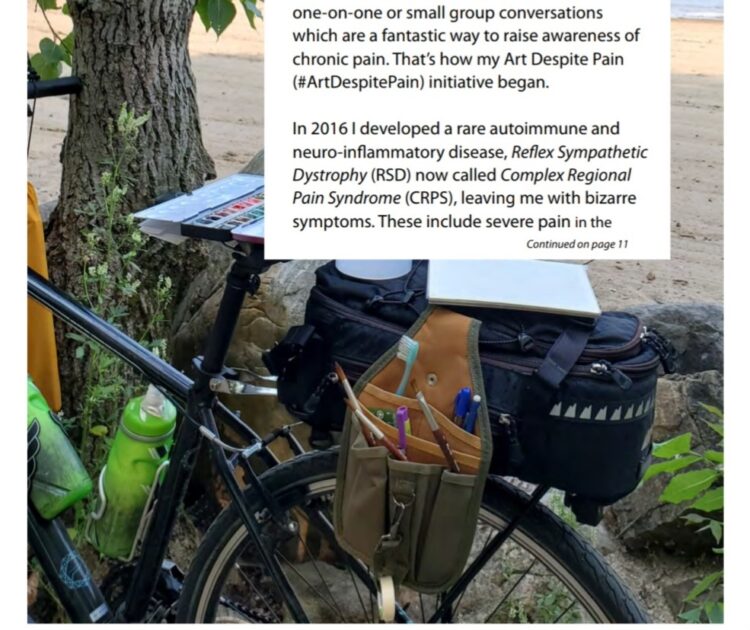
column 702, row 488
column 215, row 15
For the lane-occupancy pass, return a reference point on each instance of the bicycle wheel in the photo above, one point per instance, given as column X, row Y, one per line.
column 544, row 573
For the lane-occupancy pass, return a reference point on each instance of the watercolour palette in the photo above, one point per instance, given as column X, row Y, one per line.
column 219, row 224
column 231, row 208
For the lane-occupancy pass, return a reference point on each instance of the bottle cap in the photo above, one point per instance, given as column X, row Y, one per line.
column 151, row 415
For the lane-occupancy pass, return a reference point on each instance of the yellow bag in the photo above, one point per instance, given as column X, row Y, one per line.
column 42, row 351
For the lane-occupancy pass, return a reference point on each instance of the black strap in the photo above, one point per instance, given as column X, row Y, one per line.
column 563, row 355
column 277, row 358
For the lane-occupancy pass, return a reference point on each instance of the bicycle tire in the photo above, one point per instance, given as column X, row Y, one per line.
column 551, row 537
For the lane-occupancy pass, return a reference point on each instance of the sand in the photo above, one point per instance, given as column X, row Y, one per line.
column 229, row 74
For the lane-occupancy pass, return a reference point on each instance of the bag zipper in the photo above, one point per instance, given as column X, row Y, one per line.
column 527, row 365
column 317, row 295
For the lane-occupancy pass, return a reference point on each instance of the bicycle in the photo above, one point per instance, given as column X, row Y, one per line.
column 271, row 555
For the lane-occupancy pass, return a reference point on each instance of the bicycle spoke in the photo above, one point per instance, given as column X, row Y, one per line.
column 421, row 607
column 565, row 612
column 260, row 595
column 356, row 588
column 458, row 603
column 510, row 592
column 310, row 586
column 320, row 519
column 320, row 575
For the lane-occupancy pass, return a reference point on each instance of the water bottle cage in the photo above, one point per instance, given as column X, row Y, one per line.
column 146, row 515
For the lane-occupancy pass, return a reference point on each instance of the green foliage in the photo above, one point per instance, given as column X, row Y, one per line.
column 112, row 287
column 703, row 489
column 215, row 15
column 676, row 446
column 687, row 486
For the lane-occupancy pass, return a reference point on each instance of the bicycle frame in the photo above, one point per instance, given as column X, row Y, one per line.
column 201, row 406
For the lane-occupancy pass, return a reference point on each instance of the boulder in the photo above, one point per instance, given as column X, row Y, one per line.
column 695, row 330
column 640, row 519
column 264, row 320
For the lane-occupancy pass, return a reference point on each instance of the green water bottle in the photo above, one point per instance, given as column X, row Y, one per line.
column 56, row 475
column 139, row 453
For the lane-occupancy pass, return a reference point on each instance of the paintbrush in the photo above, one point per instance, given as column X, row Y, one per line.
column 437, row 432
column 367, row 426
column 352, row 402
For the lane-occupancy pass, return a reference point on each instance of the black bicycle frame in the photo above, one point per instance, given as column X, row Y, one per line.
column 201, row 408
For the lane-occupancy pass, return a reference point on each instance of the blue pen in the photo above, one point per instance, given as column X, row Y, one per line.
column 461, row 405
column 471, row 417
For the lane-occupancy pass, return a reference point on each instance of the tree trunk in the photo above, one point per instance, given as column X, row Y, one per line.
column 133, row 52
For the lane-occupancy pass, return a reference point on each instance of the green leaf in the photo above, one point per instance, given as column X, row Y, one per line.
column 714, row 456
column 671, row 465
column 65, row 9
column 705, row 584
column 711, row 501
column 717, row 530
column 714, row 411
column 67, row 45
column 47, row 4
column 676, row 446
column 689, row 485
column 80, row 350
column 220, row 13
column 201, row 8
column 718, row 428
column 714, row 612
column 99, row 430
column 44, row 68
column 251, row 11
column 51, row 51
column 691, row 616
column 695, row 519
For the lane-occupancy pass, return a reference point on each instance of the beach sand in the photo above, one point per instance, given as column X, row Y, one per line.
column 229, row 73
column 695, row 272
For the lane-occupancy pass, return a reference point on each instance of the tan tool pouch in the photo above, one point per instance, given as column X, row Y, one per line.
column 415, row 521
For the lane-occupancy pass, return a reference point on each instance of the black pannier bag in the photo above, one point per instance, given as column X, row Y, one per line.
column 571, row 400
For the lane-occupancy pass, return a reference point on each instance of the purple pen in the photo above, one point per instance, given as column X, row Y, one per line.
column 402, row 417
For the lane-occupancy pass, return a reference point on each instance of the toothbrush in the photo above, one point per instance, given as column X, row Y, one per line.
column 408, row 349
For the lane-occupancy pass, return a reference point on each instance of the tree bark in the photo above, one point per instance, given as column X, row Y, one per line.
column 133, row 52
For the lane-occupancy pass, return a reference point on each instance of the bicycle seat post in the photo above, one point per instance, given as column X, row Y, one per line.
column 243, row 278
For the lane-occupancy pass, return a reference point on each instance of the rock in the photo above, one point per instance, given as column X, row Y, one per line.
column 678, row 406
column 695, row 330
column 640, row 519
column 264, row 320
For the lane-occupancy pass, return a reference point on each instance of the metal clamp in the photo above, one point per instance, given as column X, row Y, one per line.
column 259, row 385
column 223, row 385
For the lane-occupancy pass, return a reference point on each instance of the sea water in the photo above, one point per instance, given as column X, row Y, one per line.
column 698, row 9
